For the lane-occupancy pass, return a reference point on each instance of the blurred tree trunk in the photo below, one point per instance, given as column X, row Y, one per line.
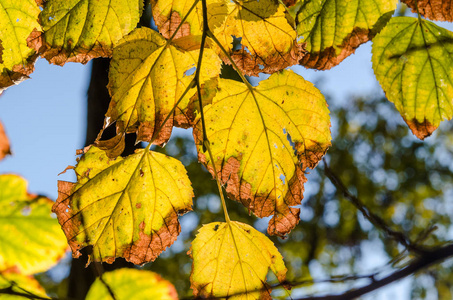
column 81, row 277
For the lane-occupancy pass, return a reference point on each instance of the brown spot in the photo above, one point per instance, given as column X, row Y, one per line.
column 59, row 55
column 1, row 52
column 437, row 10
column 148, row 247
column 289, row 3
column 253, row 65
column 138, row 205
column 168, row 24
column 4, row 143
column 65, row 214
column 328, row 58
column 421, row 130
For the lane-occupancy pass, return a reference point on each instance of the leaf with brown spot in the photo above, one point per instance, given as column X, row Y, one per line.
column 268, row 40
column 124, row 207
column 31, row 240
column 17, row 21
column 412, row 60
column 231, row 260
column 4, row 143
column 262, row 140
column 333, row 29
column 168, row 15
column 80, row 30
column 148, row 76
column 436, row 10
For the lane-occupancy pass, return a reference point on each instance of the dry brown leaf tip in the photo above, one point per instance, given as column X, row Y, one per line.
column 437, row 10
column 329, row 58
column 4, row 143
column 421, row 129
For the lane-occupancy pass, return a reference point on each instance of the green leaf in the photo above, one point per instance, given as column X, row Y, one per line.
column 79, row 30
column 127, row 284
column 232, row 260
column 262, row 140
column 124, row 207
column 333, row 29
column 412, row 60
column 31, row 239
column 436, row 10
column 20, row 284
column 18, row 18
column 147, row 78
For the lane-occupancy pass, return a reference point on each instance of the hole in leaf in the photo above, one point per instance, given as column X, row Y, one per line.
column 26, row 211
column 283, row 178
column 191, row 71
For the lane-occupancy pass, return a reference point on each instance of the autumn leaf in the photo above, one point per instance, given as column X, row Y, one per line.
column 268, row 40
column 4, row 143
column 436, row 10
column 412, row 62
column 127, row 284
column 262, row 140
column 124, row 207
column 333, row 29
column 17, row 20
column 232, row 260
column 20, row 284
column 147, row 78
column 79, row 30
column 32, row 241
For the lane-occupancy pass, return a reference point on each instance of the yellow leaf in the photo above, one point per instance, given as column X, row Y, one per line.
column 333, row 29
column 20, row 284
column 268, row 40
column 4, row 143
column 126, row 284
column 79, row 30
column 232, row 260
column 147, row 78
column 124, row 207
column 32, row 241
column 18, row 18
column 262, row 140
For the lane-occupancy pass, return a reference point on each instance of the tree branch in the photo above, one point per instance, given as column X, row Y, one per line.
column 377, row 221
column 418, row 264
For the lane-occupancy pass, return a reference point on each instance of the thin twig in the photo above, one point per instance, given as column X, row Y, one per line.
column 370, row 216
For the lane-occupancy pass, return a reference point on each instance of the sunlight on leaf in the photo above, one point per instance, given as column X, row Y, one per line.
column 262, row 141
column 4, row 143
column 79, row 30
column 31, row 238
column 17, row 20
column 267, row 40
column 147, row 77
column 124, row 207
column 22, row 284
column 128, row 284
column 436, row 10
column 232, row 260
column 412, row 60
column 333, row 29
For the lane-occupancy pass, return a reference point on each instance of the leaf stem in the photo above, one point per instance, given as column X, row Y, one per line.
column 206, row 144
